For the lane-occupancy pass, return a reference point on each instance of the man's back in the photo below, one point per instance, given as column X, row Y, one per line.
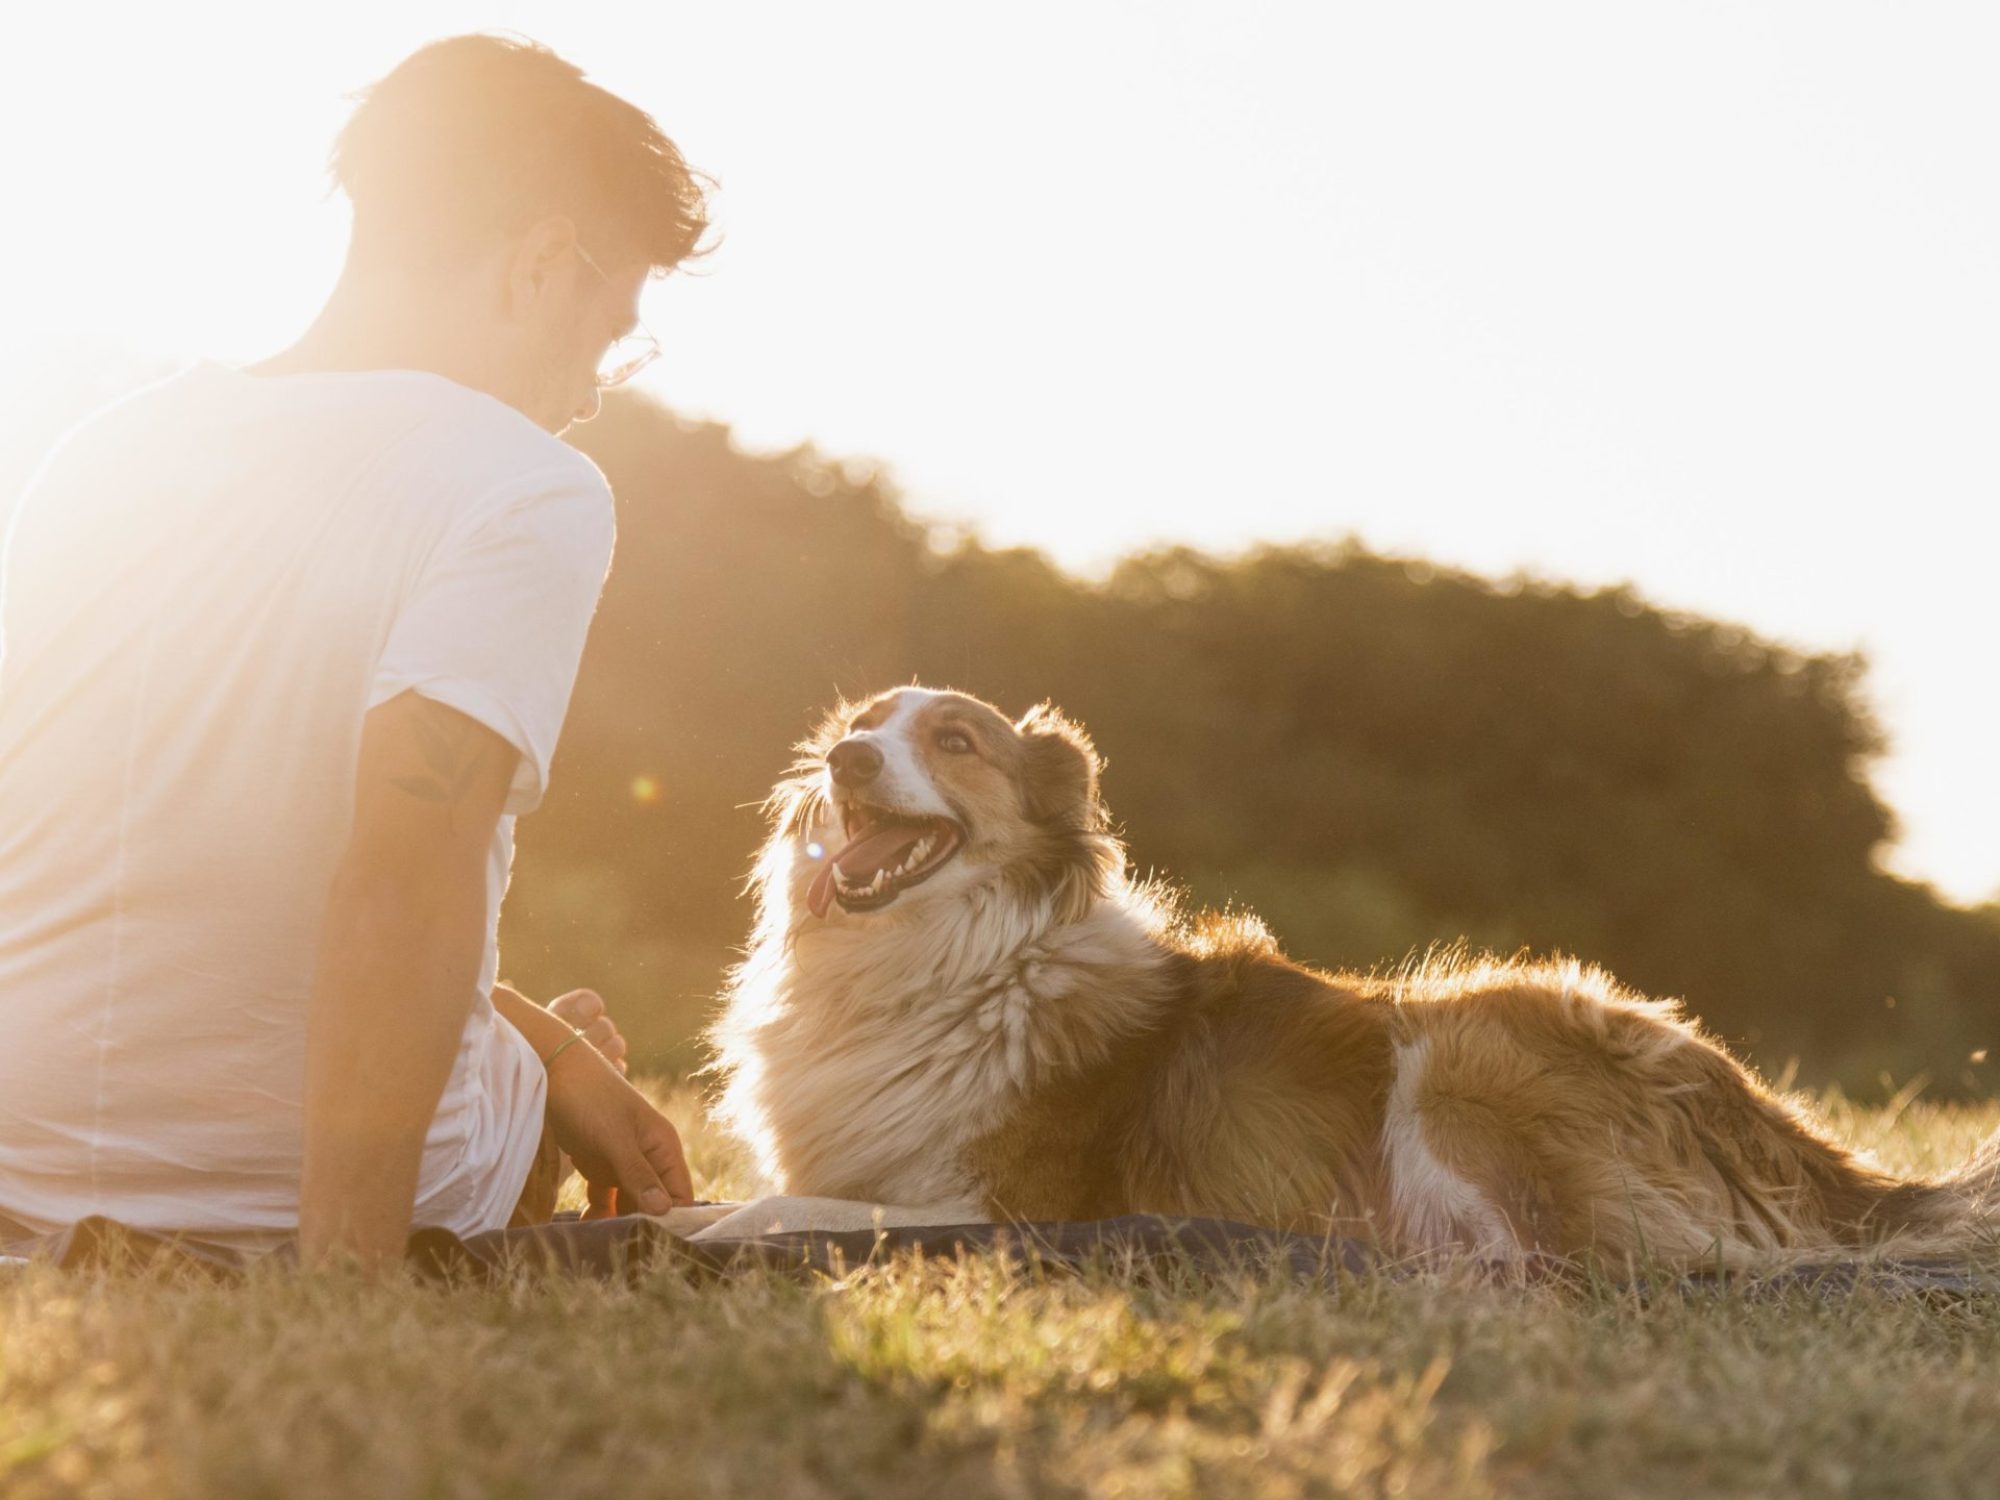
column 206, row 590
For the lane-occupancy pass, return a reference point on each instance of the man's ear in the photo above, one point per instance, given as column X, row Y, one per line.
column 543, row 251
column 1060, row 769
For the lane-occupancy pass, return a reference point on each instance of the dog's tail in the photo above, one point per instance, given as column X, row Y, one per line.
column 1954, row 1213
column 1977, row 1184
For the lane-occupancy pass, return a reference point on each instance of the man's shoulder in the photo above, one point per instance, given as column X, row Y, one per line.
column 410, row 438
column 478, row 445
column 445, row 444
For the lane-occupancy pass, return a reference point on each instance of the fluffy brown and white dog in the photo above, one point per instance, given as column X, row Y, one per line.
column 956, row 996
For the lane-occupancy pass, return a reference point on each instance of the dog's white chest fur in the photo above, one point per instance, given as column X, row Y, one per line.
column 865, row 1057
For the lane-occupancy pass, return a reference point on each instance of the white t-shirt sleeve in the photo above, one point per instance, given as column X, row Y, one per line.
column 495, row 624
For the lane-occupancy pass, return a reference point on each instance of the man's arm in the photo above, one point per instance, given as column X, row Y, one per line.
column 398, row 969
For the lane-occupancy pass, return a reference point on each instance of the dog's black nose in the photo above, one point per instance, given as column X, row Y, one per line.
column 854, row 763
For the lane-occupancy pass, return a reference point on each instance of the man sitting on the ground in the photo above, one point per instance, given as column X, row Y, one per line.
column 286, row 650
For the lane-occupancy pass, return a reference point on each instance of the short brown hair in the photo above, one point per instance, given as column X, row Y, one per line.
column 484, row 134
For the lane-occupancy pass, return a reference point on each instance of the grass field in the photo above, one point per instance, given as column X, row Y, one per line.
column 970, row 1380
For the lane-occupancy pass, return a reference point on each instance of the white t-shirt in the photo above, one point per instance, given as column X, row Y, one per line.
column 205, row 589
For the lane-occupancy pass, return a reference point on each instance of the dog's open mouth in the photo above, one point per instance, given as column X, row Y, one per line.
column 885, row 854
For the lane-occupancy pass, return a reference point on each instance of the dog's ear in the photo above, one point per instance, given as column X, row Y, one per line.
column 1060, row 769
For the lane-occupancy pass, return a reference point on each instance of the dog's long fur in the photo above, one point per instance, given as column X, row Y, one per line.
column 1029, row 1034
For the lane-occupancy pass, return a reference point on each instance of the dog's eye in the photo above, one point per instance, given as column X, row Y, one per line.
column 954, row 742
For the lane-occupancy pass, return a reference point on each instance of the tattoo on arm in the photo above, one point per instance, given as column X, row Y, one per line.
column 452, row 748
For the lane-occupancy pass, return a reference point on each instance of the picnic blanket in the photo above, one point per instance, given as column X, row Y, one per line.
column 805, row 1235
column 831, row 1237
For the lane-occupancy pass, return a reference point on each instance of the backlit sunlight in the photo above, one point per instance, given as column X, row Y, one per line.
column 1701, row 297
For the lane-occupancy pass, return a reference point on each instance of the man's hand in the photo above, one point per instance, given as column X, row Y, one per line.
column 618, row 1122
column 615, row 1137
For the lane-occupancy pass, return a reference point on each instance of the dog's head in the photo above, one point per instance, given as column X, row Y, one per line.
column 916, row 795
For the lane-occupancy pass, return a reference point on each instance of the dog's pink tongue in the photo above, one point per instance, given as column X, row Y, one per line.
column 819, row 896
column 877, row 847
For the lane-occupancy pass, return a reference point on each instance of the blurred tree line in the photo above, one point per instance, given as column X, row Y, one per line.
column 1376, row 755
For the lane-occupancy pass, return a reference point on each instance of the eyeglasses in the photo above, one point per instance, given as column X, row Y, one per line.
column 628, row 355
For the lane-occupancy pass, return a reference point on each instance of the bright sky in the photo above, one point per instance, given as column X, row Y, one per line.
column 1702, row 296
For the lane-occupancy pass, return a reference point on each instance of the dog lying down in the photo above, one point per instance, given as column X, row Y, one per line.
column 957, row 998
